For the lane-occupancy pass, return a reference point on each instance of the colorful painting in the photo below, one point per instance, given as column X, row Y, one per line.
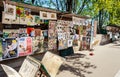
column 9, row 46
column 52, row 44
column 25, row 46
column 10, row 11
column 62, row 44
column 20, row 12
column 52, row 29
column 37, row 44
column 37, row 20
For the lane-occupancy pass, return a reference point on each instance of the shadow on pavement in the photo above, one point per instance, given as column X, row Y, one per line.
column 76, row 66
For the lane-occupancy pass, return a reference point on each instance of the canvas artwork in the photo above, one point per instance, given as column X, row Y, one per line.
column 30, row 20
column 52, row 16
column 5, row 20
column 27, row 12
column 70, row 43
column 23, row 20
column 10, row 33
column 22, row 32
column 52, row 29
column 37, row 20
column 37, row 44
column 16, row 21
column 25, row 46
column 20, row 12
column 38, row 32
column 10, row 11
column 43, row 15
column 62, row 44
column 52, row 44
column 9, row 46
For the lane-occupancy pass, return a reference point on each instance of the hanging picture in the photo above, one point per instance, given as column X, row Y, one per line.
column 52, row 16
column 43, row 15
column 25, row 46
column 23, row 20
column 27, row 12
column 9, row 46
column 20, row 12
column 30, row 20
column 62, row 44
column 37, row 20
column 5, row 20
column 70, row 43
column 1, row 49
column 16, row 21
column 52, row 29
column 30, row 31
column 38, row 32
column 37, row 44
column 52, row 44
column 10, row 11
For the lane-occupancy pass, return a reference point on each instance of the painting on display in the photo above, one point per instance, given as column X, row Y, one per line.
column 10, row 11
column 9, row 46
column 5, row 20
column 43, row 15
column 25, row 46
column 20, row 12
column 52, row 29
column 37, row 20
column 37, row 44
column 52, row 44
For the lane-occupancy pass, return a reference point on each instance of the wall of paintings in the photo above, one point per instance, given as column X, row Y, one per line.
column 27, row 33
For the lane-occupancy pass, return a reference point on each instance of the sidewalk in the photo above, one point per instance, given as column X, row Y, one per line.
column 104, row 63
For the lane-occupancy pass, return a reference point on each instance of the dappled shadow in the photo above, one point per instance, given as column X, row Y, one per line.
column 77, row 67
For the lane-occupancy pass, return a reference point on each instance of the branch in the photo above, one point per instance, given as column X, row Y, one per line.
column 82, row 7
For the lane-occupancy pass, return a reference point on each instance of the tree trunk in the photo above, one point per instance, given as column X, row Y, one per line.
column 69, row 6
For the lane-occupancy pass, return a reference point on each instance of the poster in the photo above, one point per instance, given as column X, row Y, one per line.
column 43, row 15
column 37, row 44
column 9, row 46
column 30, row 20
column 23, row 20
column 62, row 44
column 25, row 46
column 10, row 33
column 52, row 44
column 16, row 21
column 52, row 16
column 37, row 20
column 20, row 12
column 38, row 32
column 10, row 11
column 22, row 32
column 70, row 43
column 5, row 20
column 52, row 29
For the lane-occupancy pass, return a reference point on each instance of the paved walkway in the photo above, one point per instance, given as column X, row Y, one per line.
column 104, row 63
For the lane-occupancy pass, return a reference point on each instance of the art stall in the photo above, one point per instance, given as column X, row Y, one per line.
column 26, row 31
